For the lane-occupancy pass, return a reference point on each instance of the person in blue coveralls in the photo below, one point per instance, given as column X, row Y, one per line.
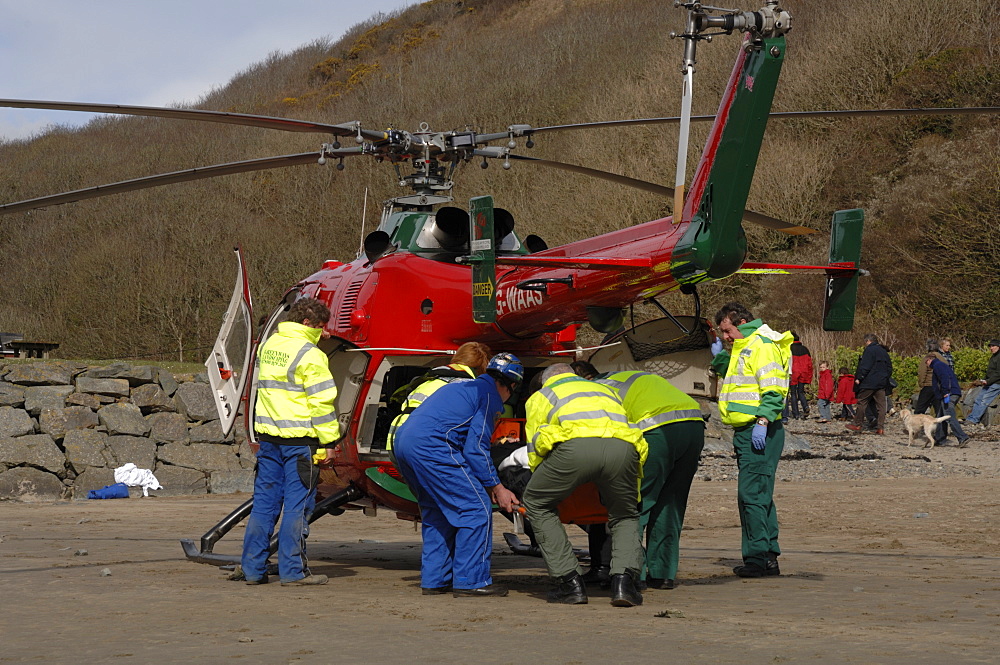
column 443, row 452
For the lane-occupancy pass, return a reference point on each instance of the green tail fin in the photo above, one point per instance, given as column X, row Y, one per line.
column 842, row 286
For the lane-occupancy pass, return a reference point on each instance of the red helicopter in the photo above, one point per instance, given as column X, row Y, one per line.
column 434, row 275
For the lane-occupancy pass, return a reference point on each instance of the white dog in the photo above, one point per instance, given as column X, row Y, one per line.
column 914, row 422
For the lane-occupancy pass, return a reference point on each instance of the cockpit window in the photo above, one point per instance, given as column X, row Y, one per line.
column 510, row 243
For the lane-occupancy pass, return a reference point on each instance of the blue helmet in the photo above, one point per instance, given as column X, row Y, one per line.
column 508, row 366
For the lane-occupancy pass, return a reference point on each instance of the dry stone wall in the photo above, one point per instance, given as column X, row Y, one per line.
column 65, row 427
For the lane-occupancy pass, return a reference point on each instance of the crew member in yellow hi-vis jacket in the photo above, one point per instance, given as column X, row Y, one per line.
column 293, row 418
column 469, row 361
column 751, row 399
column 577, row 433
column 674, row 430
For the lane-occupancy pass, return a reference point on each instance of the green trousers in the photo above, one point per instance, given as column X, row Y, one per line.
column 612, row 465
column 755, row 491
column 674, row 450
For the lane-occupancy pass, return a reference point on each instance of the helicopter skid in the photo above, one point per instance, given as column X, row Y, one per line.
column 331, row 504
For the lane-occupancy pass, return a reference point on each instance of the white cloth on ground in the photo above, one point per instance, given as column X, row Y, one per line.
column 134, row 477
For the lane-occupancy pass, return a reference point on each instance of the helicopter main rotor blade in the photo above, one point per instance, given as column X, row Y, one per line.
column 748, row 215
column 246, row 119
column 175, row 177
column 779, row 115
column 776, row 224
column 595, row 173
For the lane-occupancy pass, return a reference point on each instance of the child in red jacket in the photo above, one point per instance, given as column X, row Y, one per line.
column 845, row 394
column 826, row 392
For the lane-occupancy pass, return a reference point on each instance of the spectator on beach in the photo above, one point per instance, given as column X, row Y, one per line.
column 947, row 390
column 871, row 415
column 925, row 398
column 845, row 394
column 945, row 345
column 990, row 384
column 872, row 379
column 826, row 392
column 801, row 376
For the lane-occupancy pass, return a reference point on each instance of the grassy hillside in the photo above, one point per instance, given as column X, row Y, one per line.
column 149, row 272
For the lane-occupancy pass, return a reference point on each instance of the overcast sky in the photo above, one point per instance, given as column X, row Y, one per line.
column 149, row 52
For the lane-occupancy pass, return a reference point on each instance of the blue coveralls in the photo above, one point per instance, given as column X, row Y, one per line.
column 442, row 450
column 280, row 488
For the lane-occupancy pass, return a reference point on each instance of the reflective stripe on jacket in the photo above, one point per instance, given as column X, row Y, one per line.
column 419, row 394
column 570, row 407
column 651, row 401
column 758, row 365
column 295, row 390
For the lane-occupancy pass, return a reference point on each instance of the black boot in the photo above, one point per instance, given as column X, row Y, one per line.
column 571, row 590
column 751, row 569
column 598, row 575
column 660, row 583
column 624, row 590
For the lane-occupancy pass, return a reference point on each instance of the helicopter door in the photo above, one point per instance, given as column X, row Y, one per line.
column 230, row 359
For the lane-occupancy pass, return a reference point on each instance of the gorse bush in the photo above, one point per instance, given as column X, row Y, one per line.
column 970, row 364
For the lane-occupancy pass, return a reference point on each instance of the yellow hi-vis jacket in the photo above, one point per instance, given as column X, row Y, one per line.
column 570, row 407
column 651, row 401
column 295, row 390
column 422, row 392
column 756, row 382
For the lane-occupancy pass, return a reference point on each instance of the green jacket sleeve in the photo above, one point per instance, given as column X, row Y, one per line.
column 771, row 406
column 720, row 363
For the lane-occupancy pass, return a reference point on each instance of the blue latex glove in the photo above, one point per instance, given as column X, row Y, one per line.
column 716, row 347
column 759, row 437
column 947, row 398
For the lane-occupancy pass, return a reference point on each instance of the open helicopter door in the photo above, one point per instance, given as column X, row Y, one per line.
column 229, row 361
column 661, row 346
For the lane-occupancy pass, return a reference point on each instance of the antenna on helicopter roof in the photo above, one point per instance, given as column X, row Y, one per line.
column 364, row 215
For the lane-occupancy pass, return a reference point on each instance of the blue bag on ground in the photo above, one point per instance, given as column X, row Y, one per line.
column 116, row 491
